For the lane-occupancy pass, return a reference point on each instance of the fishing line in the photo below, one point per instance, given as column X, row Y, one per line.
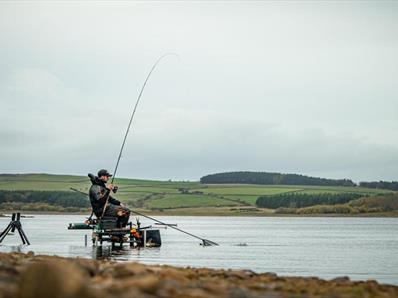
column 135, row 109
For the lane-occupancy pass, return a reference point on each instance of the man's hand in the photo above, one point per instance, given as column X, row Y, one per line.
column 110, row 187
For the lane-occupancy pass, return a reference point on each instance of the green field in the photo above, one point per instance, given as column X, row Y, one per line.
column 188, row 201
column 168, row 194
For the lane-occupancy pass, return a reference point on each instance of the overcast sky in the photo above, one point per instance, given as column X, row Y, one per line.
column 287, row 86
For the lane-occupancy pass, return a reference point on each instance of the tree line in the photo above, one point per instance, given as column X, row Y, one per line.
column 54, row 198
column 299, row 200
column 393, row 185
column 267, row 178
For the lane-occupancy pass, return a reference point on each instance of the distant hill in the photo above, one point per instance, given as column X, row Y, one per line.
column 44, row 192
column 265, row 178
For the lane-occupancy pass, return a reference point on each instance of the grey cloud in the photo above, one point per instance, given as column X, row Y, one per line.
column 307, row 88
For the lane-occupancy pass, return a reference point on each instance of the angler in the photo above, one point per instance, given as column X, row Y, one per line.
column 101, row 201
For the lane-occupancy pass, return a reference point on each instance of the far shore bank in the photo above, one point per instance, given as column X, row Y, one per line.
column 212, row 212
column 27, row 275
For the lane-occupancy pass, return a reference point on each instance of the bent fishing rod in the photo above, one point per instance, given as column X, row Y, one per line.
column 130, row 122
column 205, row 242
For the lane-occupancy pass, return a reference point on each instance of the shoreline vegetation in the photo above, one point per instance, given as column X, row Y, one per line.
column 27, row 275
column 44, row 193
column 211, row 211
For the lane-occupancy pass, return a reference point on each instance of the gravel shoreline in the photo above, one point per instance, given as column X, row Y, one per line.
column 27, row 275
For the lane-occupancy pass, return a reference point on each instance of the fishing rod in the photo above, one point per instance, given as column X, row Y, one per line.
column 131, row 120
column 205, row 242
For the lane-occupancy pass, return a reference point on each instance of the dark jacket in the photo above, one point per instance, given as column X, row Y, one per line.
column 98, row 194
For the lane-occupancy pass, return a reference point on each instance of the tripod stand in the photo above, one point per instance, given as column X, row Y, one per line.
column 15, row 224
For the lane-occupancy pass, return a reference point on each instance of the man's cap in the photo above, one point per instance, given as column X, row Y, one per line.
column 104, row 172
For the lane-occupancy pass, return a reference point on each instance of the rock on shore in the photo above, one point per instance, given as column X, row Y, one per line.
column 27, row 275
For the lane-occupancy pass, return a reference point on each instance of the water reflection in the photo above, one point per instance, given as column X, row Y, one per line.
column 103, row 252
column 125, row 253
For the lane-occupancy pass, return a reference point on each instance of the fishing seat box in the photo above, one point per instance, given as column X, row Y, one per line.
column 108, row 223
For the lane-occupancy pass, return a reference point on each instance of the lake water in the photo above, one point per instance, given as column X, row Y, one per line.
column 361, row 248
